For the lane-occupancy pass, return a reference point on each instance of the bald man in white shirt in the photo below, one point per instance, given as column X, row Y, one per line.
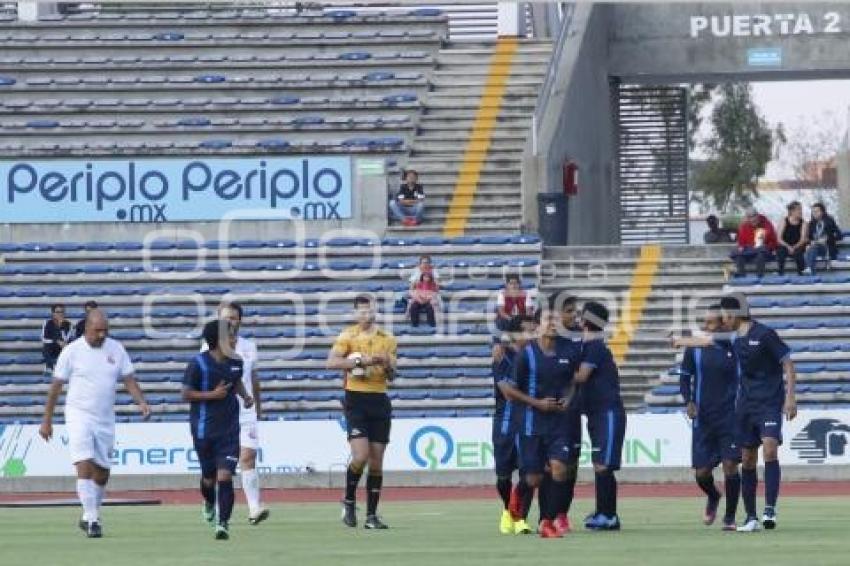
column 92, row 367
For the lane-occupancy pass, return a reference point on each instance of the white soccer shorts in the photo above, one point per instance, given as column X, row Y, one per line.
column 248, row 435
column 89, row 440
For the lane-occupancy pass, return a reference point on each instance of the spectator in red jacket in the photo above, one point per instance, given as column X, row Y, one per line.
column 757, row 242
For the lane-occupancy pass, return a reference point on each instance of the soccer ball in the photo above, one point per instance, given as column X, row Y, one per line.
column 357, row 371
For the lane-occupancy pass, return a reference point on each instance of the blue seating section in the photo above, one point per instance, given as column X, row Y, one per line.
column 437, row 376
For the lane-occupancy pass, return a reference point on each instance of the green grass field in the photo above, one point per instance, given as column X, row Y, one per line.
column 656, row 531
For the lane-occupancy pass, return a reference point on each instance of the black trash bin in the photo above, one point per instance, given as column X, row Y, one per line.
column 552, row 218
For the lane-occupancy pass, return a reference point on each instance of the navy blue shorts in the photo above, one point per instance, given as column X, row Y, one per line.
column 752, row 424
column 607, row 430
column 217, row 453
column 714, row 442
column 536, row 451
column 505, row 453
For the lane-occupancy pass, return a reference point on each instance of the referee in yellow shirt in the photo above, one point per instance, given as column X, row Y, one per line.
column 367, row 356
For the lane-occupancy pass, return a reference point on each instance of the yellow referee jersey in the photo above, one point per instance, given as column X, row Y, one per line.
column 374, row 342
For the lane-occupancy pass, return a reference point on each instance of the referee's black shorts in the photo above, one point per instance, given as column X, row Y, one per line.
column 368, row 415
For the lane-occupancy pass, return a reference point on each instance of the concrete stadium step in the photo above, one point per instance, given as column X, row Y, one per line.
column 508, row 145
column 461, row 90
column 492, row 227
column 522, row 103
column 463, row 120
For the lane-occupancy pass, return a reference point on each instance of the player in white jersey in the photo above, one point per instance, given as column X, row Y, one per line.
column 249, row 442
column 92, row 367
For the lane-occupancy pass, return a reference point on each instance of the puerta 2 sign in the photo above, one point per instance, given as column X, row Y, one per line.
column 174, row 189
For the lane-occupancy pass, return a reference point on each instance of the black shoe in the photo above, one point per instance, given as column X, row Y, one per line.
column 260, row 517
column 349, row 513
column 222, row 531
column 94, row 530
column 373, row 522
column 84, row 526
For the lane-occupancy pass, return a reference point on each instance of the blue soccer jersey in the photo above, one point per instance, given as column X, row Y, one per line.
column 540, row 375
column 213, row 419
column 504, row 417
column 761, row 353
column 709, row 378
column 602, row 391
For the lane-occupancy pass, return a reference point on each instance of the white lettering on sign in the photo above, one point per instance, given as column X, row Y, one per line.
column 764, row 25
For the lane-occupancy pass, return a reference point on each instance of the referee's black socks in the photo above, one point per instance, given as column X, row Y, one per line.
column 352, row 479
column 373, row 493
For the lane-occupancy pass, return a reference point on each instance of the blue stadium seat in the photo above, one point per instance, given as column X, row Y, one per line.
column 215, row 144
column 274, row 143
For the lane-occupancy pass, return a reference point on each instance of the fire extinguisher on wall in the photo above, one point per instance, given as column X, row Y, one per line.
column 570, row 178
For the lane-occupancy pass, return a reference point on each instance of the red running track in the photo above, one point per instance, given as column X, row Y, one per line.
column 186, row 496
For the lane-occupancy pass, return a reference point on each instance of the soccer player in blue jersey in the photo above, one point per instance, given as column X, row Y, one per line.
column 599, row 384
column 210, row 384
column 763, row 358
column 542, row 383
column 505, row 442
column 709, row 383
column 570, row 334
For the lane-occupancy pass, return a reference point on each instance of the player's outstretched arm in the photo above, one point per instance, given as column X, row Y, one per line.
column 135, row 392
column 790, row 389
column 46, row 429
column 690, row 341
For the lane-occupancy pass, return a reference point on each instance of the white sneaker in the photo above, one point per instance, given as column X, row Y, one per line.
column 751, row 525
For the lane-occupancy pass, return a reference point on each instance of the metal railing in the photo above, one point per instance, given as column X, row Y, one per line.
column 565, row 12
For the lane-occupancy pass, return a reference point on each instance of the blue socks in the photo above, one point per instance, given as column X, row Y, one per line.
column 225, row 501
column 749, row 483
column 733, row 492
column 772, row 477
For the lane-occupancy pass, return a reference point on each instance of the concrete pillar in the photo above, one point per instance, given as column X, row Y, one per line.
column 33, row 10
column 842, row 162
column 510, row 20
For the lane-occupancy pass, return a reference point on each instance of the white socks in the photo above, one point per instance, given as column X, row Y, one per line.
column 87, row 491
column 101, row 491
column 251, row 487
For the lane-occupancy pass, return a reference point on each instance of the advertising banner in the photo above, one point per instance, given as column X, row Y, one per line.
column 176, row 189
column 294, row 447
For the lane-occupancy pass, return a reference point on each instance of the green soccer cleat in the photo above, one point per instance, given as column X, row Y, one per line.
column 222, row 532
column 208, row 513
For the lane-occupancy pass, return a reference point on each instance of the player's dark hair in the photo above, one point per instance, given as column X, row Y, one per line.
column 737, row 305
column 90, row 305
column 235, row 306
column 793, row 205
column 56, row 306
column 424, row 257
column 821, row 206
column 513, row 277
column 212, row 332
column 561, row 299
column 362, row 300
column 595, row 316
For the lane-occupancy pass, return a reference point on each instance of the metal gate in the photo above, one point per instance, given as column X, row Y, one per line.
column 652, row 124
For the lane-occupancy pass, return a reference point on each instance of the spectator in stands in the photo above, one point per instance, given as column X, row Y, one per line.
column 756, row 242
column 425, row 266
column 823, row 237
column 424, row 299
column 80, row 329
column 409, row 205
column 55, row 335
column 793, row 236
column 512, row 304
column 715, row 234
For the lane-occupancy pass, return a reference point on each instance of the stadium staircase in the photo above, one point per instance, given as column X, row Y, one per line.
column 812, row 314
column 469, row 165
